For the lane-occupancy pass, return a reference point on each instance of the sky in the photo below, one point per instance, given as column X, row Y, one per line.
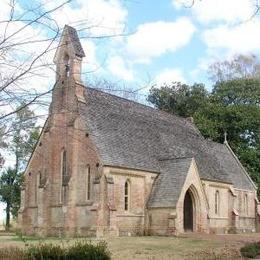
column 154, row 42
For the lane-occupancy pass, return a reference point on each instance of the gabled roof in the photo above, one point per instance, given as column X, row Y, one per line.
column 131, row 135
column 169, row 183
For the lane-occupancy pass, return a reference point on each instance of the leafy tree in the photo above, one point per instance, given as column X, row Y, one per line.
column 24, row 136
column 10, row 183
column 233, row 106
column 180, row 99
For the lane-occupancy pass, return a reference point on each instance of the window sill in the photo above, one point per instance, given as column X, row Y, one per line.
column 87, row 203
column 56, row 205
column 218, row 217
column 128, row 214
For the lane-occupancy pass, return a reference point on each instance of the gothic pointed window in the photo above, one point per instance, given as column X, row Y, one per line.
column 64, row 177
column 88, row 182
column 246, row 204
column 217, row 202
column 36, row 189
column 67, row 65
column 64, row 165
column 127, row 196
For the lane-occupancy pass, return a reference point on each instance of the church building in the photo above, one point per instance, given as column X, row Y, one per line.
column 108, row 166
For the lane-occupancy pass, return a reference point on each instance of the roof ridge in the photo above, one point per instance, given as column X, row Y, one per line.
column 140, row 104
column 175, row 158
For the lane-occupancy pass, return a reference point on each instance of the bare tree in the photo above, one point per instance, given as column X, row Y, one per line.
column 23, row 48
column 27, row 42
column 240, row 66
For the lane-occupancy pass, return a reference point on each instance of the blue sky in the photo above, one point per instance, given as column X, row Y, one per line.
column 164, row 40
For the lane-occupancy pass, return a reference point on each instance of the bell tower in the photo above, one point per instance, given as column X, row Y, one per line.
column 68, row 60
column 68, row 56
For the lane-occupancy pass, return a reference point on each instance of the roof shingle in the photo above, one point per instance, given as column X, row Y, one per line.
column 131, row 135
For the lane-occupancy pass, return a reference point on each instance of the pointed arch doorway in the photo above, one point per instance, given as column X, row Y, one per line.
column 188, row 212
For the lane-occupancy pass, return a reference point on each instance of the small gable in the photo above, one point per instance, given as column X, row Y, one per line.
column 168, row 185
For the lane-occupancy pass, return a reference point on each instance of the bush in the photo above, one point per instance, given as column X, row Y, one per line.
column 85, row 250
column 251, row 250
column 44, row 251
column 12, row 253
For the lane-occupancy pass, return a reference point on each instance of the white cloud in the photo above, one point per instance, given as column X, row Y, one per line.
column 157, row 38
column 243, row 38
column 117, row 66
column 169, row 76
column 90, row 62
column 104, row 17
column 219, row 10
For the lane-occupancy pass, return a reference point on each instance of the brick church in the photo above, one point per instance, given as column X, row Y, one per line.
column 104, row 165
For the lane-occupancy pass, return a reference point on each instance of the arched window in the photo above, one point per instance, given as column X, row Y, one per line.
column 127, row 195
column 246, row 204
column 67, row 64
column 64, row 165
column 36, row 184
column 217, row 202
column 88, row 182
column 64, row 175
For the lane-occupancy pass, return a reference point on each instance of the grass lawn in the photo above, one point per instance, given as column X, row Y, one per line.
column 192, row 246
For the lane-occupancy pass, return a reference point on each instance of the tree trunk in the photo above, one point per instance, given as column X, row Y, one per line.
column 7, row 222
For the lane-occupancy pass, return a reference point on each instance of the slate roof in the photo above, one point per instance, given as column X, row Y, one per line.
column 169, row 182
column 128, row 134
column 73, row 35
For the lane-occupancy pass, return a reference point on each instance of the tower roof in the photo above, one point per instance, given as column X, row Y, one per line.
column 70, row 38
column 74, row 38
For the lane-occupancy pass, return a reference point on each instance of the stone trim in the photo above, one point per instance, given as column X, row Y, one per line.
column 120, row 168
column 218, row 217
column 240, row 164
column 129, row 215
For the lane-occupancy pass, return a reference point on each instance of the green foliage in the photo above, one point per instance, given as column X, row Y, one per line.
column 10, row 183
column 80, row 250
column 24, row 135
column 180, row 99
column 237, row 92
column 233, row 106
column 251, row 250
column 85, row 250
column 46, row 251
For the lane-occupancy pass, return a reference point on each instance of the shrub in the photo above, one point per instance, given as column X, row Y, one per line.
column 79, row 250
column 46, row 251
column 251, row 250
column 86, row 250
column 12, row 253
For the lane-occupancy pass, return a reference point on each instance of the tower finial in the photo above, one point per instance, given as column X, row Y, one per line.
column 225, row 137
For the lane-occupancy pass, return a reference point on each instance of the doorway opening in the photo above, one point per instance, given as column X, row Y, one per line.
column 188, row 212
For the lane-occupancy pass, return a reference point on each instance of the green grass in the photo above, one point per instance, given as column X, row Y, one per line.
column 152, row 247
column 251, row 250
